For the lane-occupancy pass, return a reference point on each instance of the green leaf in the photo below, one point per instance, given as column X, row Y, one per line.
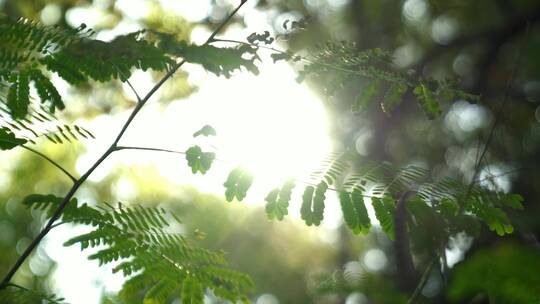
column 312, row 210
column 207, row 130
column 514, row 201
column 47, row 91
column 8, row 140
column 393, row 97
column 237, row 184
column 305, row 210
column 318, row 203
column 448, row 207
column 265, row 38
column 364, row 223
column 349, row 214
column 494, row 217
column 218, row 60
column 198, row 160
column 427, row 101
column 281, row 56
column 366, row 97
column 192, row 293
column 18, row 97
column 384, row 211
column 278, row 201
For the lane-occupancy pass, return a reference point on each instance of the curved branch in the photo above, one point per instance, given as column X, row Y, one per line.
column 54, row 163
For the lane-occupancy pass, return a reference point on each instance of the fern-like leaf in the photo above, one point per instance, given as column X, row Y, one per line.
column 17, row 294
column 384, row 211
column 8, row 140
column 138, row 241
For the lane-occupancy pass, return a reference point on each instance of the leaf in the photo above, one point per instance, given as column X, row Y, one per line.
column 494, row 217
column 265, row 38
column 198, row 160
column 281, row 56
column 192, row 292
column 427, row 101
column 47, row 91
column 278, row 201
column 220, row 61
column 207, row 130
column 448, row 207
column 363, row 221
column 312, row 210
column 305, row 210
column 384, row 211
column 237, row 184
column 318, row 203
column 393, row 97
column 365, row 98
column 18, row 97
column 8, row 140
column 349, row 214
column 514, row 201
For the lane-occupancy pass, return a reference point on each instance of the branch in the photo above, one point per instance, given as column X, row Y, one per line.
column 405, row 267
column 73, row 179
column 496, row 121
column 422, row 282
column 118, row 148
column 58, row 212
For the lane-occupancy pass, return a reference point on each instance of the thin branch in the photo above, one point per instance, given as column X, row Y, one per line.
column 134, row 91
column 54, row 163
column 497, row 117
column 58, row 212
column 252, row 44
column 118, row 148
column 422, row 282
column 129, row 83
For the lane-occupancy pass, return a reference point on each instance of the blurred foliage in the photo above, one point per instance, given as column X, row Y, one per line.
column 505, row 273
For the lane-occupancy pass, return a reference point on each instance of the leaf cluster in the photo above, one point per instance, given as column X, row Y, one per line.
column 383, row 80
column 160, row 264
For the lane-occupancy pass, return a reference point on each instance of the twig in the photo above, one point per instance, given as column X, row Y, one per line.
column 118, row 148
column 422, row 282
column 496, row 121
column 54, row 163
column 58, row 212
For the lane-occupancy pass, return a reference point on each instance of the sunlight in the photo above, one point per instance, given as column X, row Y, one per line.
column 268, row 124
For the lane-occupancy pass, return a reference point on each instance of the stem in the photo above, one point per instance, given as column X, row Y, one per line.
column 113, row 147
column 57, row 165
column 422, row 282
column 118, row 148
column 497, row 117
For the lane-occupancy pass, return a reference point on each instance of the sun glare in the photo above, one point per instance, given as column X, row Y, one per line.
column 268, row 124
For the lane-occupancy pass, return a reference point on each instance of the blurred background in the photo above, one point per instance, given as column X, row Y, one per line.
column 278, row 128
